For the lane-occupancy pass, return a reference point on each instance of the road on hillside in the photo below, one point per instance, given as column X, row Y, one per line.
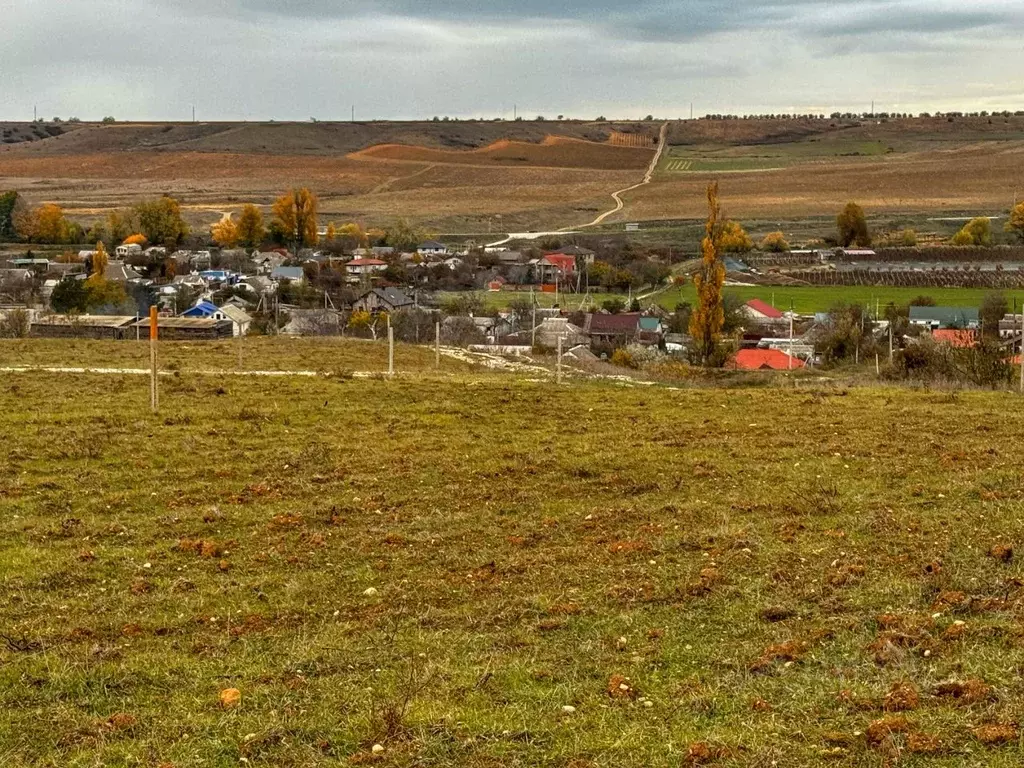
column 617, row 196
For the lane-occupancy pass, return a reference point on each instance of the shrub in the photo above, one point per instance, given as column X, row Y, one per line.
column 622, row 358
column 774, row 242
column 975, row 232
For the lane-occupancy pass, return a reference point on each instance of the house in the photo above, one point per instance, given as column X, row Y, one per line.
column 82, row 326
column 294, row 274
column 120, row 272
column 186, row 328
column 761, row 312
column 155, row 252
column 432, row 248
column 382, row 300
column 15, row 276
column 366, row 266
column 204, row 308
column 240, row 319
column 452, row 262
column 961, row 339
column 934, row 318
column 583, row 254
column 215, row 276
column 555, row 266
column 551, row 328
column 127, row 250
column 496, row 284
column 612, row 330
column 509, row 258
column 193, row 281
column 492, row 328
column 257, row 284
column 765, row 360
column 651, row 330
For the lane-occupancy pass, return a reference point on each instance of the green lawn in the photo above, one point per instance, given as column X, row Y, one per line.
column 487, row 570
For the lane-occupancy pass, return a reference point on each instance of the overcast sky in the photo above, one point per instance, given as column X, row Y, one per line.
column 296, row 59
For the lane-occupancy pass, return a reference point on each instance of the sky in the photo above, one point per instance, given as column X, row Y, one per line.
column 409, row 59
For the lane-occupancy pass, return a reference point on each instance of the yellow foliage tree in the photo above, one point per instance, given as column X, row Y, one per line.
column 100, row 259
column 250, row 226
column 774, row 242
column 1016, row 222
column 295, row 217
column 708, row 316
column 136, row 239
column 975, row 232
column 332, row 231
column 734, row 238
column 353, row 236
column 225, row 233
column 49, row 224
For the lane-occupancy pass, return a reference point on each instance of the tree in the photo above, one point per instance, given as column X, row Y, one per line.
column 774, row 242
column 332, row 232
column 295, row 217
column 734, row 238
column 402, row 236
column 853, row 227
column 975, row 232
column 99, row 262
column 707, row 318
column 137, row 239
column 225, row 233
column 250, row 226
column 69, row 295
column 8, row 202
column 49, row 225
column 160, row 221
column 993, row 308
column 352, row 236
column 1015, row 225
column 118, row 227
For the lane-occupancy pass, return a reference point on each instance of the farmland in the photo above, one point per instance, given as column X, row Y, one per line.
column 492, row 176
column 478, row 569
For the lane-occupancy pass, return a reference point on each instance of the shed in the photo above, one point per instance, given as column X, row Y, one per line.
column 187, row 328
column 82, row 326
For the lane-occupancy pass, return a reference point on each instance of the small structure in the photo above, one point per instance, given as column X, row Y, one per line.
column 382, row 300
column 204, row 308
column 765, row 360
column 432, row 248
column 187, row 328
column 293, row 274
column 612, row 330
column 555, row 266
column 584, row 254
column 934, row 318
column 82, row 326
column 366, row 266
column 129, row 249
column 762, row 312
column 120, row 272
column 240, row 319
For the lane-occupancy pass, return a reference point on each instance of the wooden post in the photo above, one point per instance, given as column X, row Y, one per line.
column 533, row 335
column 558, row 375
column 241, row 345
column 154, row 391
column 437, row 344
column 391, row 351
column 878, row 371
column 1022, row 350
column 890, row 341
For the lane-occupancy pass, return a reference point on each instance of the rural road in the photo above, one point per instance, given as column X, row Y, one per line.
column 617, row 196
column 619, row 203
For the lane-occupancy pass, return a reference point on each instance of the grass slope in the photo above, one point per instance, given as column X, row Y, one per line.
column 771, row 569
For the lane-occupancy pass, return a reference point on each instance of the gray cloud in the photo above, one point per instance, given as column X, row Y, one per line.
column 261, row 59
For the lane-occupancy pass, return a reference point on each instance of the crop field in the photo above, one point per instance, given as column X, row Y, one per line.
column 465, row 569
column 472, row 176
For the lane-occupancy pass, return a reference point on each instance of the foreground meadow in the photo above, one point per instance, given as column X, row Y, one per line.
column 482, row 570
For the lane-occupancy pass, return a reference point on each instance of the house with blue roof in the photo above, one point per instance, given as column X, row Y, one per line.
column 206, row 309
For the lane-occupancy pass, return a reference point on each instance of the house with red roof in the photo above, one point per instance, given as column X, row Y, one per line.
column 366, row 266
column 760, row 311
column 765, row 360
column 555, row 266
column 955, row 337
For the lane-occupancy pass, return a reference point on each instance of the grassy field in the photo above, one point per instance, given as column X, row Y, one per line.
column 488, row 571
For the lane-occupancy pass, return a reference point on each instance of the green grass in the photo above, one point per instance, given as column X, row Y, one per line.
column 526, row 544
column 822, row 298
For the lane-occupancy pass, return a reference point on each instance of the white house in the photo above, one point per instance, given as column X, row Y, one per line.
column 452, row 262
column 432, row 248
column 366, row 266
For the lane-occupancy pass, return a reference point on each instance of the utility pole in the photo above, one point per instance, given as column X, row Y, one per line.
column 533, row 334
column 1022, row 351
column 154, row 393
column 558, row 374
column 391, row 351
column 437, row 344
column 353, row 113
column 791, row 335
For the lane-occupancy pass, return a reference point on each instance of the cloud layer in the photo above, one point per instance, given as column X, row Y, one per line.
column 268, row 59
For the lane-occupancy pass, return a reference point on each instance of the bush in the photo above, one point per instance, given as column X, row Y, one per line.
column 774, row 242
column 983, row 365
column 15, row 324
column 623, row 359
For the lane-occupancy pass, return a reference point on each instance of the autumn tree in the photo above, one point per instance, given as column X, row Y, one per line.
column 160, row 220
column 250, row 226
column 975, row 232
column 331, row 233
column 708, row 316
column 225, row 232
column 852, row 225
column 137, row 239
column 352, row 236
column 295, row 218
column 774, row 242
column 100, row 260
column 49, row 225
column 734, row 238
column 1015, row 225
